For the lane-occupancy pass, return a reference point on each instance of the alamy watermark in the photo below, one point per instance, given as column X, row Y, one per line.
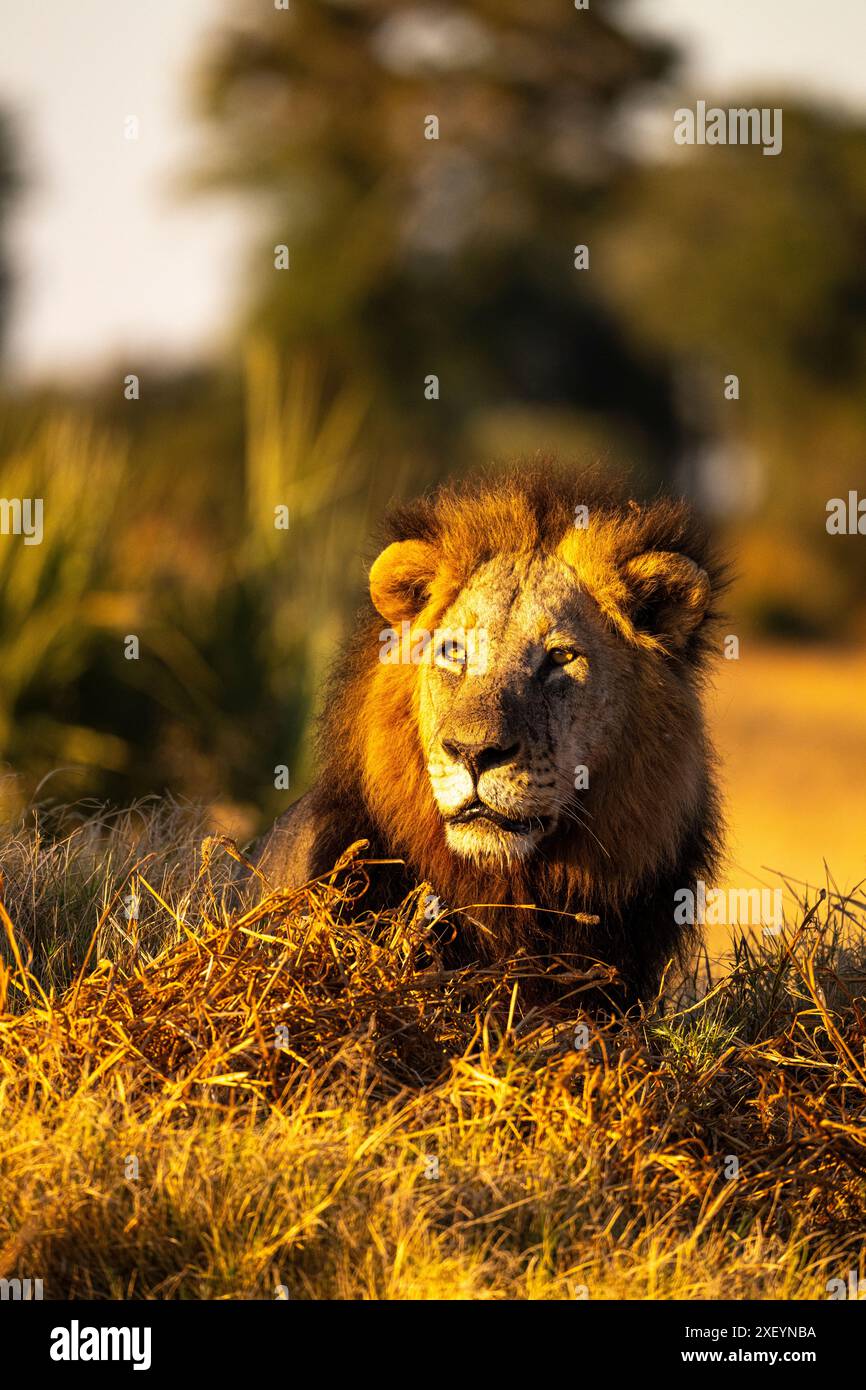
column 738, row 125
column 846, row 516
column 730, row 907
column 19, row 1290
column 77, row 1343
column 22, row 516
column 451, row 648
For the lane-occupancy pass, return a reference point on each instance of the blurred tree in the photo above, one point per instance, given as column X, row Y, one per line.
column 453, row 256
column 9, row 183
column 723, row 261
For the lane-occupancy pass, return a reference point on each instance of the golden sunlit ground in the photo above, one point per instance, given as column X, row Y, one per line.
column 790, row 727
column 287, row 1101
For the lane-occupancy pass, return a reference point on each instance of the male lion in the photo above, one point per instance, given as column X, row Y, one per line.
column 526, row 727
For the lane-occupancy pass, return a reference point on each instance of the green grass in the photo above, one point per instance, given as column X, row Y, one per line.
column 219, row 596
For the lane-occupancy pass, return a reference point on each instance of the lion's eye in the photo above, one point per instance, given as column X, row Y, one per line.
column 451, row 654
column 561, row 656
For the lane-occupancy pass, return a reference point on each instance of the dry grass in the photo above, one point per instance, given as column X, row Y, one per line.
column 418, row 1133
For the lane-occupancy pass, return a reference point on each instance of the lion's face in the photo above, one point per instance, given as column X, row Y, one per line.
column 525, row 689
column 550, row 676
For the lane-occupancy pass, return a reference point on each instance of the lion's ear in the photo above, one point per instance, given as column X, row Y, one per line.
column 400, row 579
column 668, row 597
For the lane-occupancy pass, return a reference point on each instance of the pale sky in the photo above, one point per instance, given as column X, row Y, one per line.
column 112, row 263
column 814, row 48
column 111, row 260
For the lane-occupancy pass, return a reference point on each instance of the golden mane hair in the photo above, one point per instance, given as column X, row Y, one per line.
column 373, row 779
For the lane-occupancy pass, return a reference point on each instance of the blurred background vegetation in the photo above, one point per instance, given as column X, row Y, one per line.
column 410, row 257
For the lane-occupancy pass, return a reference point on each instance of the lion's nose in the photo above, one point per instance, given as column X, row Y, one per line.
column 480, row 757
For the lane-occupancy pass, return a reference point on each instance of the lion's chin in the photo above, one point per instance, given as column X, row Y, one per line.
column 483, row 841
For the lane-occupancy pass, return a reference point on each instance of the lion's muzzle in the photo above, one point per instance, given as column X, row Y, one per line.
column 479, row 810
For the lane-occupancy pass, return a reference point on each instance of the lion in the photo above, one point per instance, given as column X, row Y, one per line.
column 517, row 719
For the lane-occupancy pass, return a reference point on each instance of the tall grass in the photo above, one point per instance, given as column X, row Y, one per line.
column 292, row 1097
column 56, row 597
column 236, row 617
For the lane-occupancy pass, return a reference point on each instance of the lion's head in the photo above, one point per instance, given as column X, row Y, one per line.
column 542, row 648
column 519, row 715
